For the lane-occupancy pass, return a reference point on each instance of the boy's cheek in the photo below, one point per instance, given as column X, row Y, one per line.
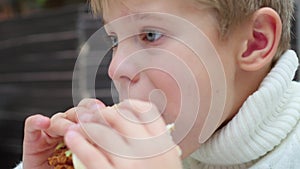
column 167, row 93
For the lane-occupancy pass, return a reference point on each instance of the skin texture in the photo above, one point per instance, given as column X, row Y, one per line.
column 246, row 56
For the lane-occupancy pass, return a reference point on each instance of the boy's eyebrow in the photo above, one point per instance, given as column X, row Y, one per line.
column 140, row 16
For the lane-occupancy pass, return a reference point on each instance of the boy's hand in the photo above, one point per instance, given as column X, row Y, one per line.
column 42, row 134
column 37, row 144
column 105, row 138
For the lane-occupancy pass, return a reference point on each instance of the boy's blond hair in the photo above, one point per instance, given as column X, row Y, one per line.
column 234, row 12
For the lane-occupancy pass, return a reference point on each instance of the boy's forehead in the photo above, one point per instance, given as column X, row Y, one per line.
column 120, row 8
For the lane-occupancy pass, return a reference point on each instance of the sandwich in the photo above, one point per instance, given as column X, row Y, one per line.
column 63, row 158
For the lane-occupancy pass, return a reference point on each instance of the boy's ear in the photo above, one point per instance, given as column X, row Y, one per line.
column 262, row 42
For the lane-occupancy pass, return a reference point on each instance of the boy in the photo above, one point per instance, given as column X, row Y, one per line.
column 259, row 123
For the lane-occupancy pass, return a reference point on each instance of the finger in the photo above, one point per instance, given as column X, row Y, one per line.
column 123, row 121
column 91, row 104
column 147, row 114
column 89, row 155
column 86, row 115
column 94, row 106
column 107, row 140
column 159, row 139
column 132, row 118
column 59, row 125
column 60, row 122
column 72, row 114
column 33, row 127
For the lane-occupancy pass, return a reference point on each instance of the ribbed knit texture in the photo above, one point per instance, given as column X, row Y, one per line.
column 262, row 123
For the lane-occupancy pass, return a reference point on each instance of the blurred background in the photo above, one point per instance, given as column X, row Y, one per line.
column 39, row 44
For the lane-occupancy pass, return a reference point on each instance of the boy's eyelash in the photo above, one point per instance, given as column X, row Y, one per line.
column 147, row 36
column 114, row 40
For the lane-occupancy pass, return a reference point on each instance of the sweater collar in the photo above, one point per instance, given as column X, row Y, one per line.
column 263, row 121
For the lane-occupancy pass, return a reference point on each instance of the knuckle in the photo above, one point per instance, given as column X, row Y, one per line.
column 87, row 101
column 58, row 115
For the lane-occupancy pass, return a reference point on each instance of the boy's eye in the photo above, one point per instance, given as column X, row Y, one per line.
column 114, row 41
column 151, row 36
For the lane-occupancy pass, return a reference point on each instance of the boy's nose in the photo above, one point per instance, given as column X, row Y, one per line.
column 121, row 66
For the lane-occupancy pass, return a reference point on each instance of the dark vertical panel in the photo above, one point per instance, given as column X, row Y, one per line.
column 38, row 54
column 294, row 40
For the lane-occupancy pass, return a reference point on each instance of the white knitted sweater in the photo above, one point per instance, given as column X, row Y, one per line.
column 265, row 134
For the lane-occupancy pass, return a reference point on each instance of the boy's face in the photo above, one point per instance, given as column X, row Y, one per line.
column 154, row 62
